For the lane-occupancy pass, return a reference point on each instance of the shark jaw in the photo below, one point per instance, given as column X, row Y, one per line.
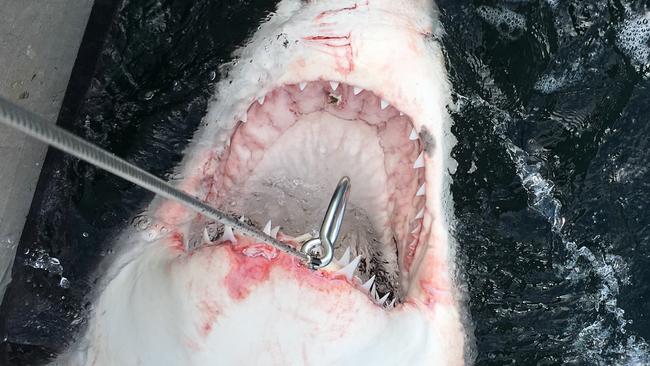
column 323, row 89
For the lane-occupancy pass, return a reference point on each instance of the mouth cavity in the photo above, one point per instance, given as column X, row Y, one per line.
column 283, row 157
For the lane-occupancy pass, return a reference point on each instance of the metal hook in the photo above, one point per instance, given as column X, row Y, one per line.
column 330, row 229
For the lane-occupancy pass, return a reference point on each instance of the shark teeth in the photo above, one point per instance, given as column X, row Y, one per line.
column 414, row 135
column 228, row 234
column 348, row 270
column 206, row 235
column 383, row 104
column 366, row 286
column 345, row 258
column 274, row 232
column 244, row 118
column 420, row 214
column 383, row 299
column 420, row 191
column 334, row 85
column 379, row 301
column 356, row 90
column 260, row 100
column 302, row 86
column 419, row 162
column 267, row 228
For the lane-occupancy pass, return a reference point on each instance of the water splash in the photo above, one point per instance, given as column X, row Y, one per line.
column 508, row 23
column 40, row 259
column 605, row 338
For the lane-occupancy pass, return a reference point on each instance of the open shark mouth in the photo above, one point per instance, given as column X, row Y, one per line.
column 290, row 148
column 324, row 89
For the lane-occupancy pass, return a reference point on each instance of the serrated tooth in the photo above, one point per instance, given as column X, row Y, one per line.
column 366, row 286
column 206, row 235
column 228, row 235
column 419, row 162
column 334, row 85
column 420, row 191
column 383, row 104
column 244, row 118
column 348, row 271
column 392, row 303
column 373, row 293
column 420, row 214
column 414, row 135
column 383, row 299
column 274, row 232
column 267, row 228
column 416, row 229
column 302, row 85
column 356, row 90
column 345, row 258
column 260, row 100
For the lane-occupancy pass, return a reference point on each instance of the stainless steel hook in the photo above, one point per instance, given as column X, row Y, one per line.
column 330, row 229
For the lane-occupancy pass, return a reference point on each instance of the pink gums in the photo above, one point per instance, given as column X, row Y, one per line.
column 284, row 106
column 251, row 264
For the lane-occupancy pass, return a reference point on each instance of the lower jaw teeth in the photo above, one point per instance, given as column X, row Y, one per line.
column 359, row 256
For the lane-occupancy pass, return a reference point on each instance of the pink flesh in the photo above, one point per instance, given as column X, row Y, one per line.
column 331, row 122
column 245, row 303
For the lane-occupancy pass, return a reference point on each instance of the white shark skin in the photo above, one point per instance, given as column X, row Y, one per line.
column 162, row 306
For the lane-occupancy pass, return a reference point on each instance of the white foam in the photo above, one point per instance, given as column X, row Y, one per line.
column 581, row 263
column 509, row 24
column 605, row 340
column 633, row 38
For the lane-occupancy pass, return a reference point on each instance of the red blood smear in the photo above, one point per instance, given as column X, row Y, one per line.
column 247, row 272
column 210, row 312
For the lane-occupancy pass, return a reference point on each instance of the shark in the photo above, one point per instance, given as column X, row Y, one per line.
column 323, row 89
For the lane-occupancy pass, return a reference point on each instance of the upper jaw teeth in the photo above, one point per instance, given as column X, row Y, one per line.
column 418, row 188
column 419, row 162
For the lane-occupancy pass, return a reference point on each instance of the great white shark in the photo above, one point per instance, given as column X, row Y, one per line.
column 323, row 89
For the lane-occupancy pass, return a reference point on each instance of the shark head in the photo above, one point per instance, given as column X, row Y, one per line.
column 324, row 89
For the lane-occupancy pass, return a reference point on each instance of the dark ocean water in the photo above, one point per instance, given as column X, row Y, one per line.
column 552, row 104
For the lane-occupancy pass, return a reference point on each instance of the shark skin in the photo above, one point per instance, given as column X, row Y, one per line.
column 324, row 88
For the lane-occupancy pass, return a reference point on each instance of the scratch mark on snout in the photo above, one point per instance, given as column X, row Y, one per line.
column 337, row 46
column 332, row 12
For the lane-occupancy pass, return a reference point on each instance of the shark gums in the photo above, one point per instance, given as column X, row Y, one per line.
column 324, row 89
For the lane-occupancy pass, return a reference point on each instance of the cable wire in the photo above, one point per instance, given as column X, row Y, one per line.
column 36, row 127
